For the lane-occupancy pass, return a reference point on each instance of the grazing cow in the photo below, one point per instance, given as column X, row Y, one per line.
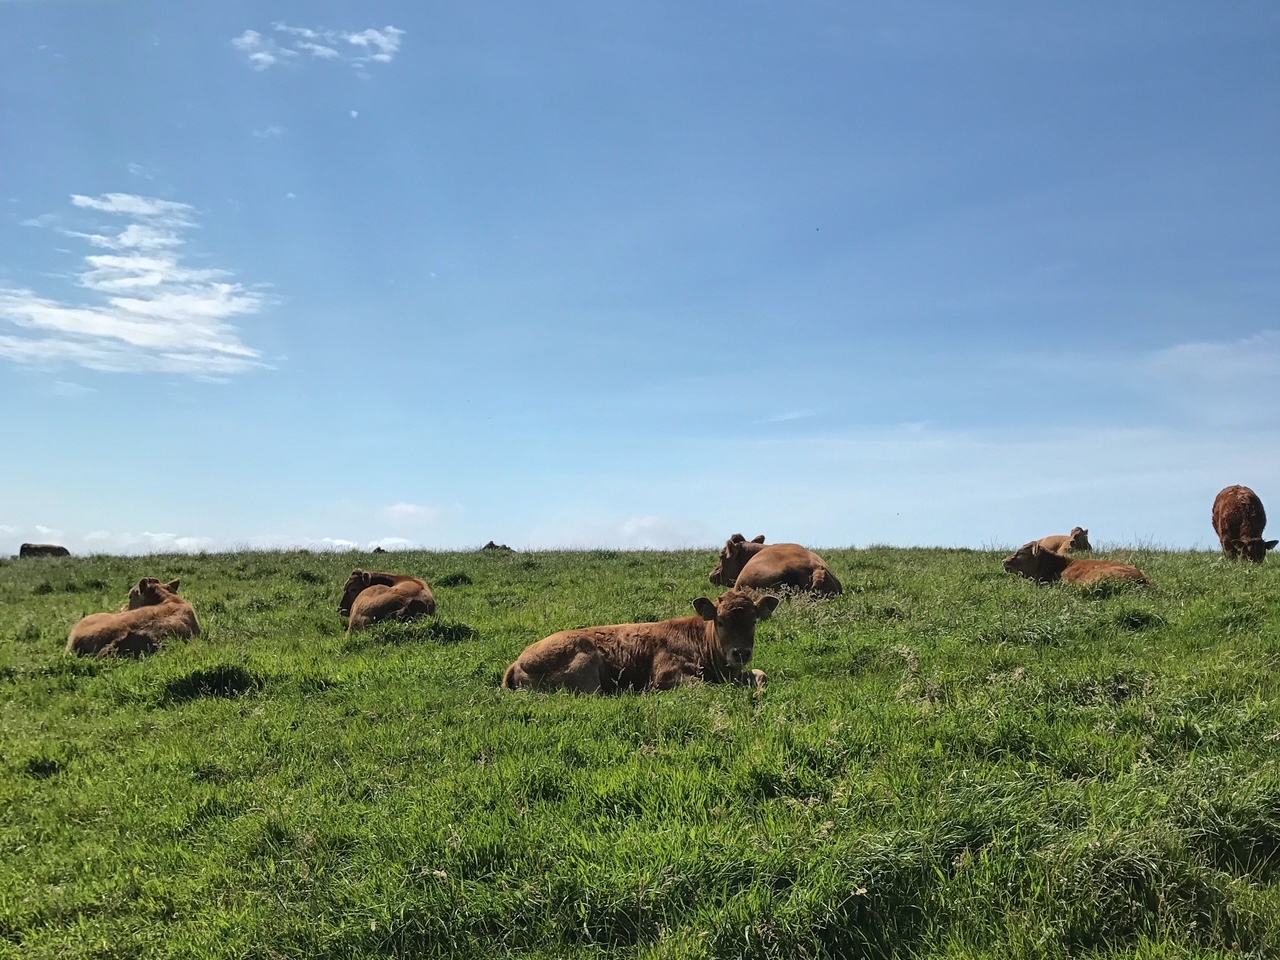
column 1077, row 539
column 714, row 646
column 750, row 563
column 369, row 598
column 502, row 547
column 1045, row 566
column 42, row 550
column 379, row 549
column 154, row 613
column 1238, row 520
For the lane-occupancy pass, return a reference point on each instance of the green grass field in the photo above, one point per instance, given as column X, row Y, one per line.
column 948, row 761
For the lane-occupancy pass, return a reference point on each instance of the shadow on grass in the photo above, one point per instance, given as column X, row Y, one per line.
column 42, row 768
column 453, row 580
column 393, row 634
column 224, row 681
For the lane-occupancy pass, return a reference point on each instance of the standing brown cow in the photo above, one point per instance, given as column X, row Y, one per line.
column 154, row 613
column 715, row 646
column 1238, row 520
column 42, row 550
column 752, row 563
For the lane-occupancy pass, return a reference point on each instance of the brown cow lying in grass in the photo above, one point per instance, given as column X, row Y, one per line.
column 1238, row 520
column 1045, row 566
column 42, row 550
column 751, row 564
column 154, row 613
column 1077, row 539
column 714, row 646
column 369, row 598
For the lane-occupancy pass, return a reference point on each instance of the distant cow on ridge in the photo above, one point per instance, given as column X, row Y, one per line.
column 369, row 598
column 1077, row 539
column 42, row 550
column 751, row 563
column 1238, row 520
column 500, row 547
column 1045, row 566
column 154, row 613
column 715, row 646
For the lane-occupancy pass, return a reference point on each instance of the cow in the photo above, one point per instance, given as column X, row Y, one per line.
column 153, row 613
column 1047, row 566
column 1238, row 520
column 1077, row 539
column 715, row 647
column 42, row 550
column 500, row 547
column 369, row 598
column 753, row 564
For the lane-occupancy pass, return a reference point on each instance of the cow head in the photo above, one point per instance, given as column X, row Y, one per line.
column 1254, row 548
column 737, row 551
column 1080, row 539
column 1035, row 562
column 358, row 580
column 735, row 616
column 149, row 591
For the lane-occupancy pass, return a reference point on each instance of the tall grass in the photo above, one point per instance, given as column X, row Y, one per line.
column 948, row 761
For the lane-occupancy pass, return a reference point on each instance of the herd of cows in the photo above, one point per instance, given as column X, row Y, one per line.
column 714, row 646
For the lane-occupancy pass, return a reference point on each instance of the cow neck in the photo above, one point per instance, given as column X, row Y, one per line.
column 711, row 652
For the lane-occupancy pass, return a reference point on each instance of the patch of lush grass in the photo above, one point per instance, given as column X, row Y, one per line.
column 948, row 761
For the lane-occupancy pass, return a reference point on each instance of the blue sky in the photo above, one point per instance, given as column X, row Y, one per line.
column 583, row 274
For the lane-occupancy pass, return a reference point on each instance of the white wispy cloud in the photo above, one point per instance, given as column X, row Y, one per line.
column 293, row 44
column 392, row 543
column 635, row 532
column 263, row 52
column 145, row 310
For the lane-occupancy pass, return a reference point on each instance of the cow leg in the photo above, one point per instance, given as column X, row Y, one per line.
column 669, row 674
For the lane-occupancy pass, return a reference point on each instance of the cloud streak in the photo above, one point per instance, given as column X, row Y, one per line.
column 145, row 310
column 297, row 44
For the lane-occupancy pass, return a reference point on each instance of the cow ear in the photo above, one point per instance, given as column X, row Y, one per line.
column 1035, row 549
column 172, row 585
column 737, row 538
column 706, row 609
column 142, row 584
column 765, row 607
column 759, row 539
column 1271, row 544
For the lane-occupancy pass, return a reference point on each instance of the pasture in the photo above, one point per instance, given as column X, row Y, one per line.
column 948, row 761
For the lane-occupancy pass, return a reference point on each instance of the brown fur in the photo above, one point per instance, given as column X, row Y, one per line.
column 1037, row 563
column 714, row 646
column 42, row 550
column 1077, row 539
column 751, row 564
column 369, row 598
column 497, row 546
column 1238, row 520
column 153, row 613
